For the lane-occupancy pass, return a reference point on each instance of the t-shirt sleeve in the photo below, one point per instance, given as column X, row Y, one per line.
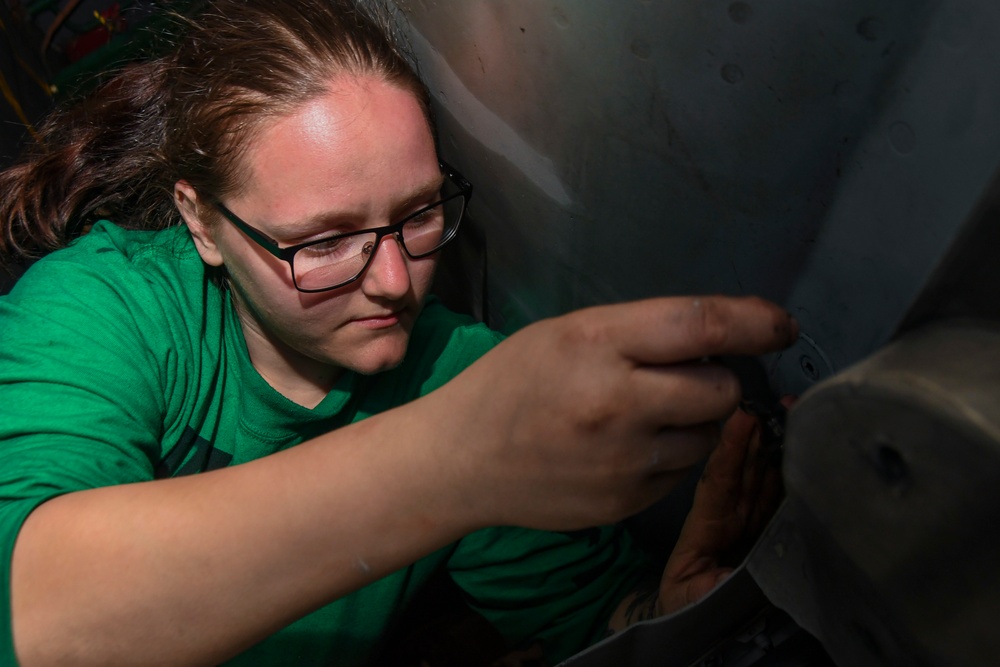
column 556, row 588
column 76, row 400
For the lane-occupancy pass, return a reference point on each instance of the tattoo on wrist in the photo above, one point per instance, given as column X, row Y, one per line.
column 643, row 606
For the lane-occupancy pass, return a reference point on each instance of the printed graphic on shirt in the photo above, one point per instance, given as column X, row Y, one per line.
column 191, row 454
column 593, row 537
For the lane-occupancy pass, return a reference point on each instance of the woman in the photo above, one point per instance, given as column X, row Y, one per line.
column 348, row 443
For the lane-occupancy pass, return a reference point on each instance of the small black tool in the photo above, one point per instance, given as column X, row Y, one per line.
column 759, row 400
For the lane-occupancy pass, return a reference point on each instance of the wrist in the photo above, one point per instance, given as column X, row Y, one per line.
column 442, row 477
column 642, row 604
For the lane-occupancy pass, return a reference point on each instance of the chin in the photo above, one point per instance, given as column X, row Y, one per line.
column 375, row 368
column 378, row 361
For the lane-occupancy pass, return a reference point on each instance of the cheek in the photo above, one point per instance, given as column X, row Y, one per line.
column 267, row 293
column 248, row 263
column 422, row 273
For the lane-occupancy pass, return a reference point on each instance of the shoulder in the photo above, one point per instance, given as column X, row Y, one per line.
column 122, row 327
column 114, row 268
column 108, row 249
column 114, row 297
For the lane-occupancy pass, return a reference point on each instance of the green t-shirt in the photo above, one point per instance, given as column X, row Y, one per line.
column 120, row 361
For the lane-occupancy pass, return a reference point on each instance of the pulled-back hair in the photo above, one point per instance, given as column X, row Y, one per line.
column 190, row 115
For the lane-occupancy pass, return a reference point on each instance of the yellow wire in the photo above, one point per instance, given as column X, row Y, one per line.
column 34, row 76
column 27, row 68
column 9, row 94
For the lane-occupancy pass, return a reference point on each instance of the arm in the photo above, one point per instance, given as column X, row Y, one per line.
column 116, row 575
column 194, row 569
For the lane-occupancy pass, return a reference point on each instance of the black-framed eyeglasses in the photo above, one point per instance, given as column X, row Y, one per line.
column 338, row 260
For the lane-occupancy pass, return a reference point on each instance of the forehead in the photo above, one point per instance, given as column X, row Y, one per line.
column 362, row 142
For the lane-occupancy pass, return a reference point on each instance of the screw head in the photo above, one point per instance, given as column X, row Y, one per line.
column 808, row 367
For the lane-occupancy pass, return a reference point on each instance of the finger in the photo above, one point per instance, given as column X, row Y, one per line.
column 674, row 329
column 721, row 487
column 754, row 468
column 768, row 499
column 683, row 394
column 729, row 459
column 757, row 455
column 679, row 449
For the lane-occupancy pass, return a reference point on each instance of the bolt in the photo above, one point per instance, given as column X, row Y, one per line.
column 732, row 73
column 809, row 367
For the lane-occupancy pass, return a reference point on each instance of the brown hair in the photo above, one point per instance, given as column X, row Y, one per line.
column 189, row 115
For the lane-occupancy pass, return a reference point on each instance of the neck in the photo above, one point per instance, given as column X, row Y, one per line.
column 298, row 378
column 304, row 386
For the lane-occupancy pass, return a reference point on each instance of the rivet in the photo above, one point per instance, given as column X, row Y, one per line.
column 732, row 73
column 902, row 137
column 640, row 49
column 560, row 18
column 870, row 28
column 740, row 12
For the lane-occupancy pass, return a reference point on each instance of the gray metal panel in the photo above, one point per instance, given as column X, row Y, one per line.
column 819, row 153
column 887, row 546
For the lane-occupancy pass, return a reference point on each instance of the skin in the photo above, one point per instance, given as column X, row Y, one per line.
column 340, row 156
column 141, row 574
column 738, row 492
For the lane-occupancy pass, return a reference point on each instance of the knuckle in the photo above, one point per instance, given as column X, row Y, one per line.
column 727, row 387
column 598, row 404
column 711, row 324
column 599, row 411
column 576, row 331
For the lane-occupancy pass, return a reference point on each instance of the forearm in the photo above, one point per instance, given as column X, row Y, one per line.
column 193, row 570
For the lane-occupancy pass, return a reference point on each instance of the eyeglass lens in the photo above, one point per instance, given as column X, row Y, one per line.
column 340, row 260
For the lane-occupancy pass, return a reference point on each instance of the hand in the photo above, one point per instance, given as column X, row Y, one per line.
column 590, row 417
column 736, row 496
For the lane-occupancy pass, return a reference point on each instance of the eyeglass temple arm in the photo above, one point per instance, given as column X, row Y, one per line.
column 463, row 185
column 265, row 242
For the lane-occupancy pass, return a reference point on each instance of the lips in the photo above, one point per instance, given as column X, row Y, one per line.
column 378, row 321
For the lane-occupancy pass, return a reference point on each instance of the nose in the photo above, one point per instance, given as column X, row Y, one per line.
column 388, row 275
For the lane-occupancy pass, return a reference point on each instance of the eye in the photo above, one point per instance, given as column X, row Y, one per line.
column 333, row 248
column 427, row 216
